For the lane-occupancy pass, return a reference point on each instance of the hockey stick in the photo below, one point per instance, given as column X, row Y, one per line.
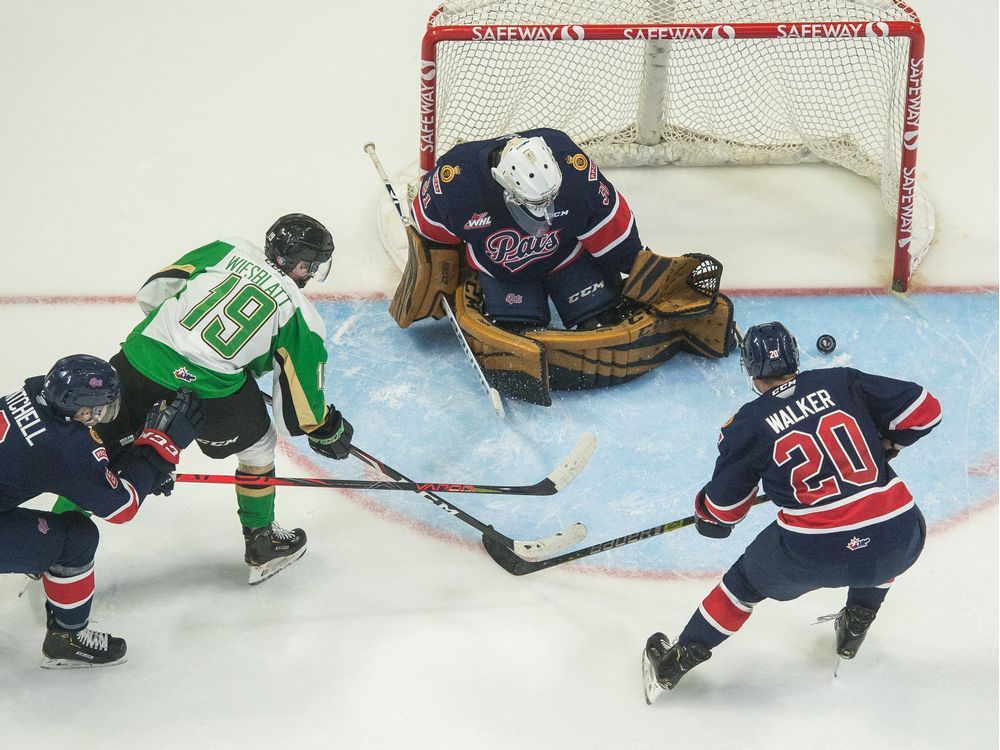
column 550, row 485
column 519, row 566
column 492, row 393
column 532, row 549
column 525, row 550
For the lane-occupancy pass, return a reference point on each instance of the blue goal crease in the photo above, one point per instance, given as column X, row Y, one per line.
column 413, row 397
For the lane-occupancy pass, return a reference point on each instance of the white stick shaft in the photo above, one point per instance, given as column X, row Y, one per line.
column 370, row 150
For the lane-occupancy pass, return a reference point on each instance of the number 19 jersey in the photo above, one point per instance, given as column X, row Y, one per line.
column 221, row 312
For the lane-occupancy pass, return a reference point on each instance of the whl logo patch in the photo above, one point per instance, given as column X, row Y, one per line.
column 181, row 373
column 479, row 221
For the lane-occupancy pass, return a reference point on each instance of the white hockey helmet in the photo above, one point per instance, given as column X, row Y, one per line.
column 529, row 175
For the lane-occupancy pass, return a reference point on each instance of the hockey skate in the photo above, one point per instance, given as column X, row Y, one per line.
column 663, row 665
column 85, row 648
column 852, row 625
column 269, row 549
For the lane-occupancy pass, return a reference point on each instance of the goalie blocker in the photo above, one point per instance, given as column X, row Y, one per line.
column 678, row 308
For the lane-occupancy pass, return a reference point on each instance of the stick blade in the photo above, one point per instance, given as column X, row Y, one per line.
column 538, row 549
column 575, row 461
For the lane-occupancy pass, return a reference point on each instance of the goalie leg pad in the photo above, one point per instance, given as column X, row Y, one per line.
column 512, row 364
column 431, row 270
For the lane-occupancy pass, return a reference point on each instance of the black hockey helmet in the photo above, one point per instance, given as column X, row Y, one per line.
column 81, row 381
column 769, row 351
column 297, row 237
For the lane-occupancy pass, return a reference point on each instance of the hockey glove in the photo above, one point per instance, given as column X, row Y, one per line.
column 332, row 438
column 707, row 524
column 891, row 449
column 172, row 427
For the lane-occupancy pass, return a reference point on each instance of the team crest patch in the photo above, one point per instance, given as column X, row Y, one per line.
column 579, row 162
column 857, row 543
column 513, row 299
column 479, row 221
column 43, row 526
column 448, row 172
column 181, row 373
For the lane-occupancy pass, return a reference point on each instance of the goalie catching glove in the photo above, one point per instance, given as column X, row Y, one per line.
column 332, row 438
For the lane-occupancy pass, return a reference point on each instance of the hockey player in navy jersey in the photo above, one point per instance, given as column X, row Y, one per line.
column 538, row 220
column 48, row 444
column 820, row 443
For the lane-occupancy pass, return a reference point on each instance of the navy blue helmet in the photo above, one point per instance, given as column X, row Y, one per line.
column 81, row 381
column 297, row 237
column 769, row 351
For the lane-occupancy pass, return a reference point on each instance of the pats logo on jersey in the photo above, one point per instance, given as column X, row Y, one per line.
column 181, row 373
column 513, row 299
column 514, row 250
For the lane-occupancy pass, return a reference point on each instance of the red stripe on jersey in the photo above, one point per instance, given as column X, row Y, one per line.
column 432, row 230
column 724, row 611
column 126, row 512
column 862, row 509
column 608, row 233
column 734, row 513
column 923, row 413
column 66, row 593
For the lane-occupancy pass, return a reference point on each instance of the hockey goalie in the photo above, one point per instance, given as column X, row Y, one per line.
column 539, row 222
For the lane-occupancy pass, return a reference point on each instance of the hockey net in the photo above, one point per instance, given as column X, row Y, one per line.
column 691, row 82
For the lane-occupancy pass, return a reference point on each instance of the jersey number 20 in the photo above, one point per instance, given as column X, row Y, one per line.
column 838, row 438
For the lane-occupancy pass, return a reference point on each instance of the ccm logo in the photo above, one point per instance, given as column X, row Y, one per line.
column 163, row 444
column 585, row 292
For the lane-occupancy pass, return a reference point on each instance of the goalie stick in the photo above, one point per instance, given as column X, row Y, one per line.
column 550, row 485
column 492, row 393
column 520, row 565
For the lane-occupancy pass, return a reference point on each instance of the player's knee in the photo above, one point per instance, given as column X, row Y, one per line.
column 80, row 540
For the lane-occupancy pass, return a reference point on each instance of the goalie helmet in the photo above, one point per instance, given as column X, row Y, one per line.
column 531, row 178
column 81, row 381
column 297, row 237
column 769, row 351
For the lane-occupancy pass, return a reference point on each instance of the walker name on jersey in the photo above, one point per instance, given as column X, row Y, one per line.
column 513, row 250
column 261, row 277
column 25, row 417
column 790, row 415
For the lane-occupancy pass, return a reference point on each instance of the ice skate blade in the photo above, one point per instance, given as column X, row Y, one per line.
column 651, row 687
column 260, row 573
column 48, row 663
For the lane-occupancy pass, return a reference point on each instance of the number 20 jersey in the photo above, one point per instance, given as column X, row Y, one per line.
column 815, row 444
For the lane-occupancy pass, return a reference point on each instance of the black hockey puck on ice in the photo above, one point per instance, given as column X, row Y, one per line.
column 826, row 343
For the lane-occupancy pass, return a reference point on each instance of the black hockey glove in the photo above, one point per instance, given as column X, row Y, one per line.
column 707, row 524
column 891, row 449
column 332, row 438
column 172, row 427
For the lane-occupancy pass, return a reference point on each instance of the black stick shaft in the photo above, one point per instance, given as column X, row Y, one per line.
column 518, row 566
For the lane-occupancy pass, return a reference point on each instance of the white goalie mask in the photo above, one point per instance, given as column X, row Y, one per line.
column 531, row 178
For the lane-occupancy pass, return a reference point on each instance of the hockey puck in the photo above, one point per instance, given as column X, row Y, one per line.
column 826, row 343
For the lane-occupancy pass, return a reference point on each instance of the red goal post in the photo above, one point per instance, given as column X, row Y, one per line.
column 692, row 82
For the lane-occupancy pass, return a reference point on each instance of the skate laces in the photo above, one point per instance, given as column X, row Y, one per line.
column 279, row 533
column 93, row 639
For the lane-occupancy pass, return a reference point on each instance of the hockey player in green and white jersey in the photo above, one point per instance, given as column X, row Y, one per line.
column 217, row 318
